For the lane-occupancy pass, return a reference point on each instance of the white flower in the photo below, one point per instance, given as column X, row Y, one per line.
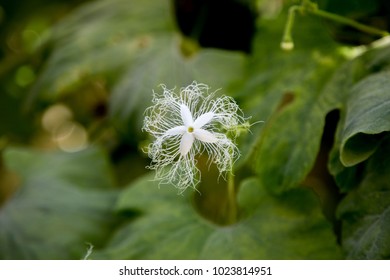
column 189, row 124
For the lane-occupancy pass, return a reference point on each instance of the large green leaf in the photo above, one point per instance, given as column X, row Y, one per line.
column 99, row 40
column 365, row 212
column 64, row 202
column 368, row 116
column 168, row 227
column 287, row 91
column 131, row 46
column 344, row 78
column 357, row 78
column 164, row 63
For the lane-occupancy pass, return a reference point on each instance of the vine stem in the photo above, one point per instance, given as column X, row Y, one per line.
column 232, row 206
column 350, row 22
column 287, row 41
column 309, row 7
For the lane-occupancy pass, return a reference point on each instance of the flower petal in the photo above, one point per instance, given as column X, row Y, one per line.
column 203, row 119
column 176, row 130
column 186, row 115
column 186, row 143
column 204, row 135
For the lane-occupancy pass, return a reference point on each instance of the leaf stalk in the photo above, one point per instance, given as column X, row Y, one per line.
column 308, row 6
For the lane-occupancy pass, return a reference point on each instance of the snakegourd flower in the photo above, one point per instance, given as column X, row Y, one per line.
column 188, row 124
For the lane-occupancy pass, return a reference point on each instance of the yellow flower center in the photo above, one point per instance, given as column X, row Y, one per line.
column 190, row 129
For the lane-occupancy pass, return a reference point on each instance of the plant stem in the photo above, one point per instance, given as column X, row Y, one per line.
column 287, row 42
column 350, row 22
column 232, row 206
column 309, row 7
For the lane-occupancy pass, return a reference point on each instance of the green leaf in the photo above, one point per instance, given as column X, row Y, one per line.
column 346, row 178
column 368, row 116
column 64, row 202
column 164, row 63
column 288, row 92
column 132, row 47
column 346, row 78
column 365, row 212
column 168, row 227
column 99, row 39
column 343, row 79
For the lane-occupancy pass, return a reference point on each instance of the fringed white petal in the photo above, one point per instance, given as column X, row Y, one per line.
column 186, row 115
column 203, row 119
column 205, row 136
column 178, row 130
column 186, row 143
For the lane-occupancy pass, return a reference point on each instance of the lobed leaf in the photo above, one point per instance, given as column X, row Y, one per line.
column 99, row 39
column 164, row 63
column 64, row 202
column 357, row 137
column 288, row 92
column 365, row 212
column 367, row 118
column 168, row 227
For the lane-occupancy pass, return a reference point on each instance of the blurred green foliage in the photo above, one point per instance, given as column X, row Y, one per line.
column 76, row 77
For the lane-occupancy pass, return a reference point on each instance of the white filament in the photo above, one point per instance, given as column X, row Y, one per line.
column 188, row 124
